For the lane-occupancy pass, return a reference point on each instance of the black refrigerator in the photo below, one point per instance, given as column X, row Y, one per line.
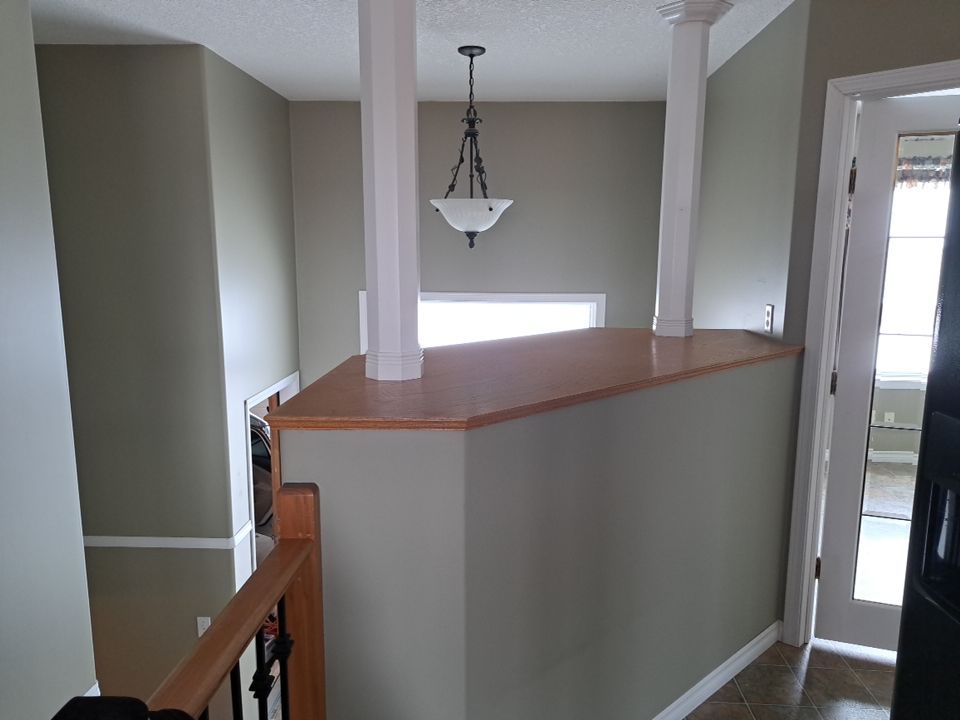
column 927, row 685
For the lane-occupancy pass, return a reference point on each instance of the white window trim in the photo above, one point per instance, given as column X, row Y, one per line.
column 598, row 312
column 900, row 381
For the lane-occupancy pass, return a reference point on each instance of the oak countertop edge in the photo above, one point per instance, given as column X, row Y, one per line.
column 521, row 410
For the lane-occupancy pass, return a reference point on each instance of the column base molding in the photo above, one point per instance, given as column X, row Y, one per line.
column 672, row 328
column 392, row 366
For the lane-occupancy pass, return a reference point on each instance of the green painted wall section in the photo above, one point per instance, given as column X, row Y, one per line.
column 749, row 172
column 619, row 551
column 129, row 177
column 585, row 178
column 45, row 633
column 392, row 528
column 248, row 130
column 145, row 609
column 595, row 561
column 170, row 172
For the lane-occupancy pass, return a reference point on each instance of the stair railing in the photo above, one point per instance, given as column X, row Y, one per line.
column 289, row 579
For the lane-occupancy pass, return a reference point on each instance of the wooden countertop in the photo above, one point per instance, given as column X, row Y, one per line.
column 469, row 386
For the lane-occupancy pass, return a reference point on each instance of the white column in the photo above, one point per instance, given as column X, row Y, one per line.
column 388, row 111
column 682, row 153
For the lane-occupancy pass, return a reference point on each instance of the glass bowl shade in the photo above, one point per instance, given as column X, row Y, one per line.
column 471, row 215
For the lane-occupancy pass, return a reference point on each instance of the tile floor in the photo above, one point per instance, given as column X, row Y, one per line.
column 820, row 681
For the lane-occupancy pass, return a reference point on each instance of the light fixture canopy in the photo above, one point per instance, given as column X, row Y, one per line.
column 471, row 215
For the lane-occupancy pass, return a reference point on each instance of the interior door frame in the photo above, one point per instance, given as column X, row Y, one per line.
column 838, row 148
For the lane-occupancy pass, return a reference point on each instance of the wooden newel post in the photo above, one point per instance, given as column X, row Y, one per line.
column 298, row 513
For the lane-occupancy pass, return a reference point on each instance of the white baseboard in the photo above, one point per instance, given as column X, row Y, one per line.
column 701, row 692
column 93, row 691
column 905, row 457
column 175, row 543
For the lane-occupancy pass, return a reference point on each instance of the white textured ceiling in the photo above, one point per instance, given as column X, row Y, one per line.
column 307, row 49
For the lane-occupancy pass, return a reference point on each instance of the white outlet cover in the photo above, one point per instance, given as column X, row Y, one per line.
column 203, row 624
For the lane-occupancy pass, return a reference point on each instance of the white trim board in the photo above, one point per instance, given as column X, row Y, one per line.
column 838, row 148
column 169, row 543
column 286, row 388
column 724, row 673
column 903, row 457
column 598, row 315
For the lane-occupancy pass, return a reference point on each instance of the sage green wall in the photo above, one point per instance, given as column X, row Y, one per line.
column 248, row 128
column 47, row 655
column 849, row 38
column 619, row 551
column 145, row 610
column 585, row 178
column 328, row 217
column 760, row 203
column 392, row 528
column 170, row 171
column 585, row 181
column 595, row 561
column 750, row 145
column 129, row 177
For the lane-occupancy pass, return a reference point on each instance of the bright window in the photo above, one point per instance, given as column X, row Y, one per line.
column 915, row 246
column 448, row 318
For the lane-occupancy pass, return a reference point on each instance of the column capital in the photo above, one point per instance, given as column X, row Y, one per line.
column 682, row 11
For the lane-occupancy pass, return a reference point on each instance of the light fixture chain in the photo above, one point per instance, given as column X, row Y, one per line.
column 478, row 166
column 455, row 170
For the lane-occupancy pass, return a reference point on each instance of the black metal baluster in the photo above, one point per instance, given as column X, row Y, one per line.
column 236, row 693
column 282, row 648
column 262, row 680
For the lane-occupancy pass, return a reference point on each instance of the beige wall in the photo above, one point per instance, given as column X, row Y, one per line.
column 749, row 171
column 585, row 178
column 47, row 652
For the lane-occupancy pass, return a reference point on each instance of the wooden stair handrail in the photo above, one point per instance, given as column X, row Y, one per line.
column 292, row 570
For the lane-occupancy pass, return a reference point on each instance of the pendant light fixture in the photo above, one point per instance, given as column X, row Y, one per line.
column 471, row 215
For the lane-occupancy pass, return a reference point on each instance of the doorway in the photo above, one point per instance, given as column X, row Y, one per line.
column 262, row 451
column 844, row 97
column 888, row 304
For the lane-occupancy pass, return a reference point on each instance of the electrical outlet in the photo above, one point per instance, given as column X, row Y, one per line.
column 768, row 319
column 203, row 624
column 889, row 417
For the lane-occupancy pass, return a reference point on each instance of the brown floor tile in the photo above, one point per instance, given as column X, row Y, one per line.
column 840, row 712
column 770, row 656
column 835, row 686
column 817, row 654
column 782, row 712
column 729, row 693
column 879, row 683
column 771, row 685
column 864, row 658
column 721, row 711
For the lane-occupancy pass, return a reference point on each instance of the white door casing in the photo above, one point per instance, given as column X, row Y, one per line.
column 816, row 403
column 839, row 616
